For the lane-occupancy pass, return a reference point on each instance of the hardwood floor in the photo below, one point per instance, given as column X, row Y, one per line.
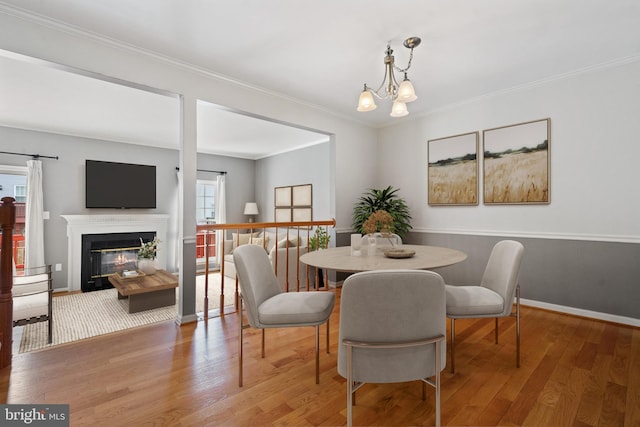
column 574, row 372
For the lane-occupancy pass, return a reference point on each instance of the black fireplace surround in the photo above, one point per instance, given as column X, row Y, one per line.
column 105, row 254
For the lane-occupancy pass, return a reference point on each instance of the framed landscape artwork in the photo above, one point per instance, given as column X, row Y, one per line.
column 516, row 163
column 453, row 170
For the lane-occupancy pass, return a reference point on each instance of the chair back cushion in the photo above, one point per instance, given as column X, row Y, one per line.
column 257, row 280
column 503, row 271
column 392, row 306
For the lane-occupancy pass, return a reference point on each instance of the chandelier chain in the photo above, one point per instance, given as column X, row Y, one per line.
column 401, row 70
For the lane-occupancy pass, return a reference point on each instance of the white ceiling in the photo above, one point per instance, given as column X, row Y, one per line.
column 319, row 52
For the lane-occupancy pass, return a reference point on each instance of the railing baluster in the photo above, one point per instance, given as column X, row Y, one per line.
column 220, row 246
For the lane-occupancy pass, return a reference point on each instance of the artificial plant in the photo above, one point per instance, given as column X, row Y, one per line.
column 382, row 200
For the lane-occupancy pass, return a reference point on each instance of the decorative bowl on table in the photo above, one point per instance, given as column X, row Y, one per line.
column 130, row 274
column 399, row 253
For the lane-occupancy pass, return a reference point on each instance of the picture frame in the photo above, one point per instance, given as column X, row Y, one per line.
column 302, row 195
column 302, row 214
column 516, row 163
column 452, row 170
column 283, row 215
column 282, row 196
column 293, row 203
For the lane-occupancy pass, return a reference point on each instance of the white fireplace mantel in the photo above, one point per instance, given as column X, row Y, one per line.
column 78, row 225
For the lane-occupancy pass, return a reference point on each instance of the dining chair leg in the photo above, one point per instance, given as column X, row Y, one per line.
column 263, row 338
column 240, row 350
column 518, row 326
column 328, row 337
column 437, row 381
column 350, row 396
column 317, row 354
column 453, row 345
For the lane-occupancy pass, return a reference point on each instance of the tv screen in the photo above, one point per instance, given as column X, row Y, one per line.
column 120, row 185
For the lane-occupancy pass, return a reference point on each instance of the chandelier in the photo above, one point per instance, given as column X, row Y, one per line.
column 399, row 93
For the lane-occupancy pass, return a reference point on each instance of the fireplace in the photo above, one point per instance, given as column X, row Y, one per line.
column 108, row 253
column 81, row 225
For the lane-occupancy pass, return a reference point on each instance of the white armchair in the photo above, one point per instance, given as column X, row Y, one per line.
column 32, row 297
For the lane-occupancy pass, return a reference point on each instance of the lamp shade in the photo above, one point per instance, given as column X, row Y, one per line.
column 366, row 102
column 399, row 109
column 251, row 208
column 406, row 93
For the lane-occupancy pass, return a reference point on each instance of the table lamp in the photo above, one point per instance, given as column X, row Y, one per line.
column 251, row 208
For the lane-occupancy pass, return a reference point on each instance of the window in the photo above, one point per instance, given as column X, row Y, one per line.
column 13, row 183
column 20, row 193
column 205, row 202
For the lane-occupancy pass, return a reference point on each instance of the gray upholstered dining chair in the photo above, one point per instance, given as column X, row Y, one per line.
column 32, row 298
column 268, row 306
column 392, row 329
column 494, row 296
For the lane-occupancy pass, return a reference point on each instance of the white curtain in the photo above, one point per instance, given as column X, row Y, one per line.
column 221, row 215
column 34, row 223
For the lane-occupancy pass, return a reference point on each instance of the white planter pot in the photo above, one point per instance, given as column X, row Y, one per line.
column 147, row 266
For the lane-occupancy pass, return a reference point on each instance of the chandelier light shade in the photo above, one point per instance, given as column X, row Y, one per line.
column 399, row 109
column 366, row 102
column 406, row 93
column 399, row 93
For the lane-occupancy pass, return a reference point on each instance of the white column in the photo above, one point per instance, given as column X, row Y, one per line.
column 187, row 206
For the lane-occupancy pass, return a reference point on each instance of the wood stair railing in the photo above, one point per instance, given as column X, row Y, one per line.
column 7, row 221
column 301, row 229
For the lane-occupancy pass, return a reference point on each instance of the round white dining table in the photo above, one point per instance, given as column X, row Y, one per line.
column 340, row 259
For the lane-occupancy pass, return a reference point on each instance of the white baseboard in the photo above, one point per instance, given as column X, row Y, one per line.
column 581, row 312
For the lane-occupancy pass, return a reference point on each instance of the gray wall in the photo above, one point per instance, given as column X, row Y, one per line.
column 63, row 182
column 589, row 275
column 309, row 165
column 595, row 276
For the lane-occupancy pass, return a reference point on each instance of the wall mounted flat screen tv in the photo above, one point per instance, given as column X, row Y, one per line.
column 119, row 185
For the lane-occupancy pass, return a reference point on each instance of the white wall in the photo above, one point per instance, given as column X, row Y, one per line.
column 594, row 158
column 354, row 143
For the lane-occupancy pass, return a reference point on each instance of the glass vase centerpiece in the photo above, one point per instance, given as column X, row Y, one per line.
column 147, row 256
column 379, row 224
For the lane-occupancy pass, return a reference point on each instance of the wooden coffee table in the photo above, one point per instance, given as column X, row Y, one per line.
column 146, row 292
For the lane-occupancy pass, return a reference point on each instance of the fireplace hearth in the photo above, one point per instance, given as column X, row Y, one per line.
column 109, row 253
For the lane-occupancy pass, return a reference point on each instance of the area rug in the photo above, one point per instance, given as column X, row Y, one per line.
column 84, row 315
